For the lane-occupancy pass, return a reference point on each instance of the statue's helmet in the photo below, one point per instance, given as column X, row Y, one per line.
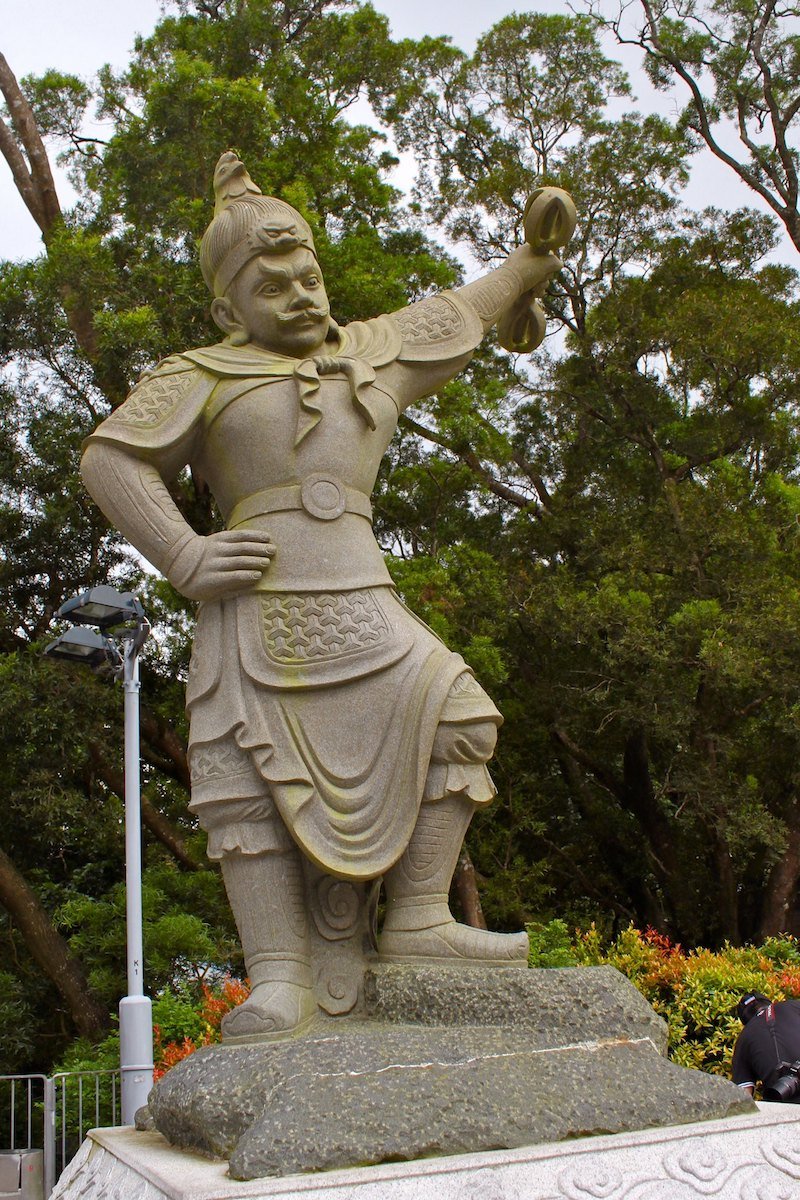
column 246, row 224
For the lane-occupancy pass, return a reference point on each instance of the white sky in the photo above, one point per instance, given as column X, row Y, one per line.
column 79, row 36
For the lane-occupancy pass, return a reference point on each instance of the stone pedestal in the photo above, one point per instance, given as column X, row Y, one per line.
column 440, row 1062
column 750, row 1157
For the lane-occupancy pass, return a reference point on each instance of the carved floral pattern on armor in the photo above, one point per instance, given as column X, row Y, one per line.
column 154, row 399
column 215, row 761
column 314, row 627
column 431, row 320
column 466, row 685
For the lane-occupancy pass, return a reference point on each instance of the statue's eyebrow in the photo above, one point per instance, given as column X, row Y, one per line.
column 269, row 270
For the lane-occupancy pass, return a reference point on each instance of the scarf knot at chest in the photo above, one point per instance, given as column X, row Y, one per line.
column 360, row 376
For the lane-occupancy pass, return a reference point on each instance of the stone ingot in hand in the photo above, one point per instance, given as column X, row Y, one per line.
column 549, row 222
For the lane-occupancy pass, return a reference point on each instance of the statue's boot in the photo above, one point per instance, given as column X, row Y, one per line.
column 419, row 927
column 266, row 893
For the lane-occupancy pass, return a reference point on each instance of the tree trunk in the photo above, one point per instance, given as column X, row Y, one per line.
column 466, row 884
column 727, row 894
column 166, row 833
column 781, row 889
column 51, row 953
column 640, row 799
column 34, row 182
column 618, row 857
column 158, row 736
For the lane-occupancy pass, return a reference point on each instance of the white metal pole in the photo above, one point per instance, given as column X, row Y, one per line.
column 135, row 1009
column 49, row 1136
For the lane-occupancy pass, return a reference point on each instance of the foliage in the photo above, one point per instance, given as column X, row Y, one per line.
column 185, row 1017
column 181, row 1028
column 608, row 532
column 695, row 991
column 551, row 945
column 636, row 499
column 17, row 1023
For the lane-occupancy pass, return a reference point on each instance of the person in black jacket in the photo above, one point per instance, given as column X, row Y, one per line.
column 767, row 1050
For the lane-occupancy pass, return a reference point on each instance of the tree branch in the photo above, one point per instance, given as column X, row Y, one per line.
column 50, row 952
column 470, row 458
column 21, row 175
column 650, row 42
column 601, row 773
column 24, row 124
column 161, row 828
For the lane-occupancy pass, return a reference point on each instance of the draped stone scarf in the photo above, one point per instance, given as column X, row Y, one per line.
column 354, row 352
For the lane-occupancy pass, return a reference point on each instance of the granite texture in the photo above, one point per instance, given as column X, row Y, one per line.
column 442, row 1062
column 748, row 1157
column 335, row 743
column 554, row 1006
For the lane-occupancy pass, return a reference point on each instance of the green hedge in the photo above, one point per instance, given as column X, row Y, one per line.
column 695, row 991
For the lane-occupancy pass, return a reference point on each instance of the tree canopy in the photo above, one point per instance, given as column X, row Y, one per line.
column 738, row 66
column 608, row 531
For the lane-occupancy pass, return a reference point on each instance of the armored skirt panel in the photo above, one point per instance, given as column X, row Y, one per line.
column 335, row 699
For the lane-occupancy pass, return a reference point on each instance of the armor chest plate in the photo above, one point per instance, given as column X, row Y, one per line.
column 251, row 442
column 311, row 494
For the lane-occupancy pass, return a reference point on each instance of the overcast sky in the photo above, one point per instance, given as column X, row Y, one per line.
column 81, row 35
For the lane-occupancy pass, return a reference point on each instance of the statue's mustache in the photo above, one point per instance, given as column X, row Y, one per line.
column 303, row 314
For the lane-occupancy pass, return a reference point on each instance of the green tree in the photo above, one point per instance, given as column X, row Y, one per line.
column 740, row 64
column 118, row 287
column 670, row 599
column 626, row 490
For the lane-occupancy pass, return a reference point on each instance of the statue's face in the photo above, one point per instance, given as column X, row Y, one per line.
column 281, row 303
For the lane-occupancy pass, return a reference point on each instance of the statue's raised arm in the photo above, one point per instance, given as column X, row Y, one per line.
column 440, row 334
column 334, row 739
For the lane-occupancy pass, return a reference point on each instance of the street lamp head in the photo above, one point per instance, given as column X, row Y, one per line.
column 102, row 607
column 86, row 646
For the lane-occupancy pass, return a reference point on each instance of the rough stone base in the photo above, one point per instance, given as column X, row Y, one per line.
column 440, row 1062
column 753, row 1157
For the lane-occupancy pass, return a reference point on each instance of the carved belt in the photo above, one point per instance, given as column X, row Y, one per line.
column 318, row 495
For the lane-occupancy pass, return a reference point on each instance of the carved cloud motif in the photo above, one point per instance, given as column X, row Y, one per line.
column 703, row 1169
column 783, row 1152
column 578, row 1184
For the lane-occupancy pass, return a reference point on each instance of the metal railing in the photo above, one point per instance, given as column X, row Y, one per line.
column 54, row 1113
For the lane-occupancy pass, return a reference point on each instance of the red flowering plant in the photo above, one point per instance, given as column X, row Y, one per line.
column 695, row 991
column 180, row 1027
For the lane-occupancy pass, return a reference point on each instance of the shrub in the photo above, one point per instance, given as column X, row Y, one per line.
column 551, row 945
column 180, row 1027
column 696, row 991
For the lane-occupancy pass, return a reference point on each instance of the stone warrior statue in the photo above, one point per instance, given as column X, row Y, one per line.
column 335, row 741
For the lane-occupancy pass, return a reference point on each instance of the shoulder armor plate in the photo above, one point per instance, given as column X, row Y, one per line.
column 156, row 394
column 437, row 329
column 162, row 408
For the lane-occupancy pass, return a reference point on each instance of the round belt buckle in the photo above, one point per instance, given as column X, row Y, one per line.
column 323, row 497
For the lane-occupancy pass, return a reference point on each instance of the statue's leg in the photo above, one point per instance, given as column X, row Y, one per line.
column 266, row 893
column 263, row 876
column 419, row 926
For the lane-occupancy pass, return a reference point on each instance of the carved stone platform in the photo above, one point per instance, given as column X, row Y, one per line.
column 436, row 1062
column 751, row 1157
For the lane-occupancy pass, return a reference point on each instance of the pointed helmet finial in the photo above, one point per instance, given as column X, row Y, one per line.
column 246, row 224
column 231, row 182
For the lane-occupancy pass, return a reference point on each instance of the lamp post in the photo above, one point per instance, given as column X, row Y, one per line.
column 121, row 614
